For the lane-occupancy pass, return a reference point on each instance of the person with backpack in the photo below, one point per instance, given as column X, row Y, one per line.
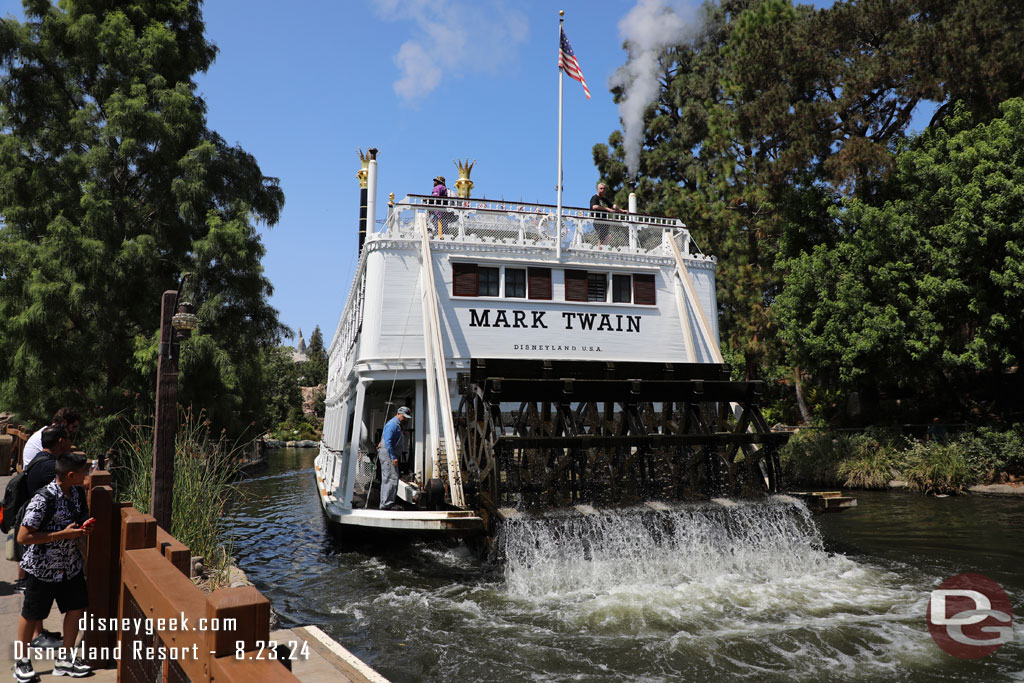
column 54, row 519
column 20, row 490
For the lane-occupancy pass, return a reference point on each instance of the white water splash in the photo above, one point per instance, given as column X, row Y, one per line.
column 649, row 28
column 735, row 586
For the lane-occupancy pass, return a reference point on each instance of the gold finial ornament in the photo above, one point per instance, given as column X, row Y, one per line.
column 391, row 199
column 463, row 185
column 561, row 12
column 362, row 173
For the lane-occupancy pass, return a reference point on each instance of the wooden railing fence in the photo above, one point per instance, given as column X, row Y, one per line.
column 10, row 454
column 137, row 571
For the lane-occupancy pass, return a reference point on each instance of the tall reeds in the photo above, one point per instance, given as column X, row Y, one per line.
column 204, row 473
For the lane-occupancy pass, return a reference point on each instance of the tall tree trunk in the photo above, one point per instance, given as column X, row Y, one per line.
column 805, row 413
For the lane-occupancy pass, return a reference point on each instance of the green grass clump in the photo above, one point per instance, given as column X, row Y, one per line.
column 937, row 468
column 811, row 458
column 204, row 473
column 872, row 470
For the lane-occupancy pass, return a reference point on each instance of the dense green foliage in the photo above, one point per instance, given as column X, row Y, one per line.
column 924, row 288
column 314, row 370
column 283, row 381
column 779, row 137
column 112, row 187
column 817, row 457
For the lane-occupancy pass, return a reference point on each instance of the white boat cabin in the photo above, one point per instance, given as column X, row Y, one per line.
column 502, row 282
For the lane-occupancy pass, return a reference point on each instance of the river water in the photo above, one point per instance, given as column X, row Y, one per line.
column 756, row 592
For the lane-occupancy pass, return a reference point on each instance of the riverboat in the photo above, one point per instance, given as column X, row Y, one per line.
column 551, row 357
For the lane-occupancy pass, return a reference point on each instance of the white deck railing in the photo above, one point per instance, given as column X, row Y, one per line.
column 483, row 221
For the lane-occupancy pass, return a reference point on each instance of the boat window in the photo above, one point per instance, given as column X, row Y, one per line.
column 487, row 282
column 622, row 289
column 515, row 282
column 597, row 287
column 575, row 285
column 644, row 291
column 464, row 279
column 538, row 283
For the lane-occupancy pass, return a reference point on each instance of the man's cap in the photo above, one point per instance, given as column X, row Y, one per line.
column 405, row 411
column 439, row 180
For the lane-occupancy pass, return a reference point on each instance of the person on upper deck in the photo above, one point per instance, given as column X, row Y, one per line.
column 441, row 217
column 602, row 202
column 388, row 452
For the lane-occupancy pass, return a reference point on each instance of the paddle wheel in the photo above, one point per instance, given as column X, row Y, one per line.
column 539, row 435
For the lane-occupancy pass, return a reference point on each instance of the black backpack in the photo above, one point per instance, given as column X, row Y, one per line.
column 16, row 495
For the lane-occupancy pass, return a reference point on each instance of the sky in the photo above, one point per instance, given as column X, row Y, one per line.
column 301, row 86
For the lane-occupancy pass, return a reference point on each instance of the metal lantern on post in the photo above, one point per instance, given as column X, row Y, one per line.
column 177, row 320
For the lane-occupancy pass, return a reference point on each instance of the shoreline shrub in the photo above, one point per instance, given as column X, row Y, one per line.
column 937, row 468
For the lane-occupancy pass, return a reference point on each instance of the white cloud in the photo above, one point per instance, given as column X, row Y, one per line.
column 453, row 38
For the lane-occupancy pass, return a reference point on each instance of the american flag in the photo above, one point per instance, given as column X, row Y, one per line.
column 567, row 60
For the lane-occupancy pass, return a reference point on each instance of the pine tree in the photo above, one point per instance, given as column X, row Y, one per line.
column 315, row 369
column 111, row 187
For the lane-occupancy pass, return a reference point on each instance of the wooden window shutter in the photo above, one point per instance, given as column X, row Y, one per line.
column 643, row 290
column 539, row 283
column 464, row 279
column 575, row 285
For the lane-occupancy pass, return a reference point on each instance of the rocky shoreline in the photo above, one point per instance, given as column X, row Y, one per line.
column 1012, row 489
column 277, row 443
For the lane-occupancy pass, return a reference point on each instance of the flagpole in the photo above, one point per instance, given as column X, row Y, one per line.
column 558, row 187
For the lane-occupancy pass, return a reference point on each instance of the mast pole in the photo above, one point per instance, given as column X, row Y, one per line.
column 558, row 186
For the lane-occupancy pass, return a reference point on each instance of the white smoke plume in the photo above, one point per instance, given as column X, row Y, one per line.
column 648, row 29
column 451, row 38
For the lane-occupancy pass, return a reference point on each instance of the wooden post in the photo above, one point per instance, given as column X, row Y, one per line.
column 176, row 552
column 166, row 419
column 137, row 531
column 101, row 564
column 249, row 608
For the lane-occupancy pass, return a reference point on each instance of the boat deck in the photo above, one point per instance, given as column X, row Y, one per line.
column 427, row 522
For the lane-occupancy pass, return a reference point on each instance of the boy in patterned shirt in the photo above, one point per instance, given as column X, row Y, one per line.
column 54, row 520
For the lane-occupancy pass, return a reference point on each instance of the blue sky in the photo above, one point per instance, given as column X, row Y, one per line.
column 302, row 85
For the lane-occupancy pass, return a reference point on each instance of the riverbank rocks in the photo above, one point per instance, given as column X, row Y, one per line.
column 305, row 443
column 999, row 489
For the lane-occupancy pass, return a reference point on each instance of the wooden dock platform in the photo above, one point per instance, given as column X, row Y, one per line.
column 820, row 502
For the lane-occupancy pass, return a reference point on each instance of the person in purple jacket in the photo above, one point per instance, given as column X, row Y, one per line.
column 441, row 217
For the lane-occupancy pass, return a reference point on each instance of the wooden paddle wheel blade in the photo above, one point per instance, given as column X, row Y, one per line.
column 543, row 435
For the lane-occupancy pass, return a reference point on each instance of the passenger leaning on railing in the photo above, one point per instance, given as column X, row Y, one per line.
column 602, row 202
column 441, row 217
column 54, row 520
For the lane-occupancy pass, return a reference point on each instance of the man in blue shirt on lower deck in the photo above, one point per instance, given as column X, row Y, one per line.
column 389, row 450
